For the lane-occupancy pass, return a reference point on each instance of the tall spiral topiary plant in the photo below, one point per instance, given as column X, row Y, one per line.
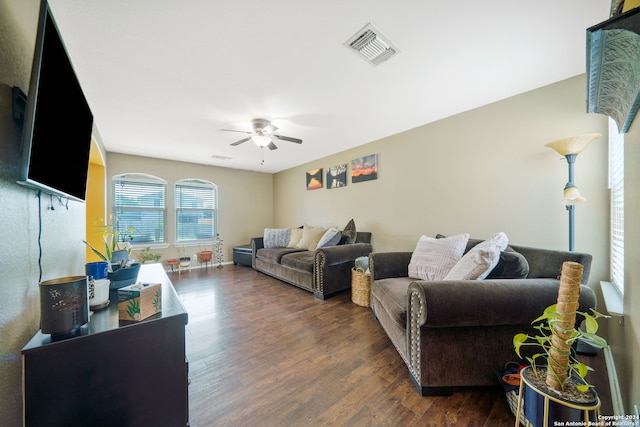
column 558, row 332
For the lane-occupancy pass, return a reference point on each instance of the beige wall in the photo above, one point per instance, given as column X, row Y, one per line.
column 245, row 199
column 482, row 171
column 487, row 170
column 26, row 227
column 478, row 172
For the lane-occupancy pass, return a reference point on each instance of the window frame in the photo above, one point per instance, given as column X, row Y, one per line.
column 145, row 181
column 194, row 184
column 616, row 192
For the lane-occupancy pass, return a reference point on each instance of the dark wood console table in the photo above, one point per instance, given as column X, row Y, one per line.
column 113, row 373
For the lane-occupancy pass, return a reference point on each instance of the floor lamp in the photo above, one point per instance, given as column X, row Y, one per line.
column 570, row 148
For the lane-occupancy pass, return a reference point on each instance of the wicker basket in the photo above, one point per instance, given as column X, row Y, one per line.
column 512, row 400
column 360, row 288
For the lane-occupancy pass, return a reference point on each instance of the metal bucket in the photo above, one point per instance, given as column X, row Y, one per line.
column 64, row 305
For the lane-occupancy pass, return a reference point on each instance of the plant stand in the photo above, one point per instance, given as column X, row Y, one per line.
column 172, row 264
column 549, row 407
column 217, row 243
column 204, row 257
column 184, row 264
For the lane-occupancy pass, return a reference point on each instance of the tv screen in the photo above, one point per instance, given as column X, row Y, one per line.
column 58, row 122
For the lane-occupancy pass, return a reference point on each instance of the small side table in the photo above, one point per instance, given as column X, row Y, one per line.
column 242, row 255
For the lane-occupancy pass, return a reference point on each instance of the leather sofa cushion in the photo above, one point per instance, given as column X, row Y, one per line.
column 276, row 254
column 392, row 295
column 299, row 260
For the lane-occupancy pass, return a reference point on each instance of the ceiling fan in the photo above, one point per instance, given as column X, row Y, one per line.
column 263, row 134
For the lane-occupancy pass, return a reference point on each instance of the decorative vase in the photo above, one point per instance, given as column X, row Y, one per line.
column 118, row 255
column 543, row 408
column 64, row 305
column 97, row 273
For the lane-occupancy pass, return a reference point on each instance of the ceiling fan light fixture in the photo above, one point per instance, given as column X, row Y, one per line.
column 261, row 140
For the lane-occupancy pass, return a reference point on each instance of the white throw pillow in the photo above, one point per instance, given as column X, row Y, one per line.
column 434, row 258
column 331, row 237
column 276, row 237
column 310, row 237
column 294, row 239
column 480, row 260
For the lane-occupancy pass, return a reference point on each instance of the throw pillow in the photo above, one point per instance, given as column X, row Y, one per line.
column 512, row 265
column 331, row 237
column 276, row 237
column 480, row 260
column 349, row 233
column 310, row 237
column 434, row 258
column 294, row 239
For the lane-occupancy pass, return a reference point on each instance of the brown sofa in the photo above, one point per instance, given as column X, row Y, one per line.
column 324, row 271
column 460, row 332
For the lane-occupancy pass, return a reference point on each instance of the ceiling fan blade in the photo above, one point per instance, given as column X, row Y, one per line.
column 241, row 141
column 234, row 130
column 272, row 146
column 288, row 138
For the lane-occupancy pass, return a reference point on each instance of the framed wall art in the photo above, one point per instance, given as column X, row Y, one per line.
column 337, row 176
column 364, row 168
column 314, row 179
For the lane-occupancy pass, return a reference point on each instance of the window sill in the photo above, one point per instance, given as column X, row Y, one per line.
column 613, row 300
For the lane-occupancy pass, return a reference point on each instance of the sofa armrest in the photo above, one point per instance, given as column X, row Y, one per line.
column 384, row 265
column 332, row 267
column 256, row 243
column 466, row 303
column 339, row 254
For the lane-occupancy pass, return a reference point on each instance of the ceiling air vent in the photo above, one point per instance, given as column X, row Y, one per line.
column 370, row 44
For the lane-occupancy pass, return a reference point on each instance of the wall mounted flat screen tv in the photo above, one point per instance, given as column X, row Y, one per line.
column 58, row 122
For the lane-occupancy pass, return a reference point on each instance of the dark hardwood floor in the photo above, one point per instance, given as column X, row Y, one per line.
column 264, row 353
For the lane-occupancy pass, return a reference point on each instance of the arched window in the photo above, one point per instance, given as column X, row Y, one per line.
column 139, row 202
column 196, row 210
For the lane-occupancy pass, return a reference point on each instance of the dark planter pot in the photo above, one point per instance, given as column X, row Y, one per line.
column 122, row 277
column 542, row 408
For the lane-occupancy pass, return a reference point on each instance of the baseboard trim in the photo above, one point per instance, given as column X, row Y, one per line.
column 614, row 385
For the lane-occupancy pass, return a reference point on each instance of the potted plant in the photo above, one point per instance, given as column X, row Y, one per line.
column 204, row 256
column 557, row 389
column 113, row 239
column 147, row 255
column 117, row 248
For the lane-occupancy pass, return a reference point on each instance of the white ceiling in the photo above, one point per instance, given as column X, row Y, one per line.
column 164, row 76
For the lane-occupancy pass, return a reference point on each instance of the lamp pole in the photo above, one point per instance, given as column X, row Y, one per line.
column 571, row 159
column 569, row 148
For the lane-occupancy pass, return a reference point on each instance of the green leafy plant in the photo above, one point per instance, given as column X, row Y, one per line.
column 112, row 238
column 557, row 334
column 147, row 255
column 545, row 325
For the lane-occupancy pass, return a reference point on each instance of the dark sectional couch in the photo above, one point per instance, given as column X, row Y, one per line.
column 460, row 332
column 324, row 271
